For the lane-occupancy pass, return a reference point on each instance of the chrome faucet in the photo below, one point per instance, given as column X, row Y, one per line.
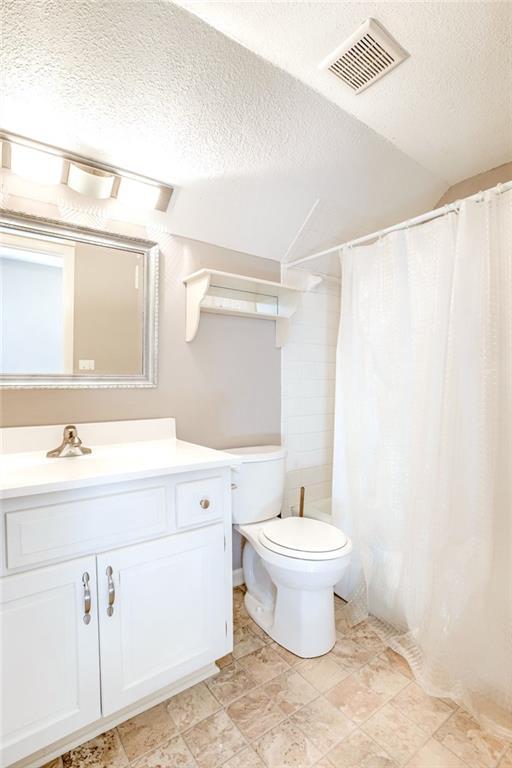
column 71, row 445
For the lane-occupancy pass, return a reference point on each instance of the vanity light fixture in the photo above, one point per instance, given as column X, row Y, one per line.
column 46, row 164
column 34, row 165
column 138, row 194
column 90, row 181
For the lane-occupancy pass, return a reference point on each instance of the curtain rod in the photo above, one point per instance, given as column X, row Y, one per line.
column 436, row 213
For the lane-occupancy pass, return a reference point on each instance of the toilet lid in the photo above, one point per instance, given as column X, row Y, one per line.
column 302, row 534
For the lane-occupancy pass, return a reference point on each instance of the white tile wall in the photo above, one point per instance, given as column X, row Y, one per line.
column 307, row 386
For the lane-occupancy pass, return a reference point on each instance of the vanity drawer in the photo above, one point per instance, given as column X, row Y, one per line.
column 56, row 526
column 199, row 501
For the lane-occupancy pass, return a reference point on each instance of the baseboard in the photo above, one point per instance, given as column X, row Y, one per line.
column 238, row 577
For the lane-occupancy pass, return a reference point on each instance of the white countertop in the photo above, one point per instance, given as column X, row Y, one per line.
column 28, row 473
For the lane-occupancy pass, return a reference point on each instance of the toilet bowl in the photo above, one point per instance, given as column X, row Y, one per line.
column 290, row 565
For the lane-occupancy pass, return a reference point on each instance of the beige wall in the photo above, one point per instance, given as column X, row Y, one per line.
column 108, row 310
column 476, row 183
column 223, row 388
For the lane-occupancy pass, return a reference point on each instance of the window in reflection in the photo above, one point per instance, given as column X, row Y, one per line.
column 70, row 307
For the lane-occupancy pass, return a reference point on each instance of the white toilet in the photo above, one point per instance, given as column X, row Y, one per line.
column 290, row 565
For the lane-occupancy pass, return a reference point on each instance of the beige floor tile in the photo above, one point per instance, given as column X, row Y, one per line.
column 355, row 699
column 341, row 619
column 341, row 623
column 399, row 737
column 231, row 683
column 341, row 613
column 380, row 675
column 290, row 691
column 323, row 673
column 397, row 662
column 245, row 641
column 146, row 731
column 506, row 760
column 364, row 637
column 264, row 664
column 104, row 751
column 214, row 741
column 451, row 703
column 240, row 615
column 463, row 736
column 286, row 747
column 427, row 712
column 322, row 723
column 287, row 655
column 238, row 596
column 255, row 713
column 174, row 754
column 272, row 698
column 434, row 755
column 359, row 751
column 259, row 632
column 350, row 655
column 189, row 707
column 240, row 618
column 247, row 758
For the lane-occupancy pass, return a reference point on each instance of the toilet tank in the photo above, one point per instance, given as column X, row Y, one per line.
column 258, row 484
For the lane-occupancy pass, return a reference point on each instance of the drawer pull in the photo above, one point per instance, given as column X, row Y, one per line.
column 204, row 503
column 87, row 598
column 111, row 591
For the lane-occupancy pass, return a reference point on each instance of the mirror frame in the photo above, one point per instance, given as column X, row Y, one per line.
column 12, row 222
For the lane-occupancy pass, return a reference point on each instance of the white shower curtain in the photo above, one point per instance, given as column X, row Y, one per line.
column 423, row 449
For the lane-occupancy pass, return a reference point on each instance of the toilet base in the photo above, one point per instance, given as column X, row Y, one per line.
column 262, row 615
column 291, row 599
column 300, row 621
column 294, row 607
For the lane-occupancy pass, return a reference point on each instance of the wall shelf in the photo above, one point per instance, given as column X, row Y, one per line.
column 210, row 290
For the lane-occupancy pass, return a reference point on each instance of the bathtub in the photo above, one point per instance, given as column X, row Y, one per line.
column 319, row 510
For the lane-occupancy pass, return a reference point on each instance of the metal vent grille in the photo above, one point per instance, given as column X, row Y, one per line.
column 369, row 54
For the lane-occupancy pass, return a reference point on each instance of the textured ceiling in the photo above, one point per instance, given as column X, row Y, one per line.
column 149, row 87
column 449, row 106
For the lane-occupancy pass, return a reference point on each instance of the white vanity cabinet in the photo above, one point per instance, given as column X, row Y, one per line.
column 113, row 596
column 49, row 656
column 161, row 613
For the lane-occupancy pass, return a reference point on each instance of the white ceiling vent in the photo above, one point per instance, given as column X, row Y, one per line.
column 367, row 55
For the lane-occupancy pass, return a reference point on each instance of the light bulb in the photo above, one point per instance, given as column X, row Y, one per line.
column 138, row 194
column 34, row 165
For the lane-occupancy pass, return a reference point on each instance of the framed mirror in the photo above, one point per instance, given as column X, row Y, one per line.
column 79, row 307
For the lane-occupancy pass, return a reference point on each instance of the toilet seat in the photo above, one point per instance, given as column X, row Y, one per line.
column 303, row 538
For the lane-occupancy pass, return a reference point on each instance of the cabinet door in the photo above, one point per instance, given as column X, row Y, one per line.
column 49, row 656
column 162, row 609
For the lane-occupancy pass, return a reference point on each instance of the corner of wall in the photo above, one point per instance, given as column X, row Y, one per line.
column 474, row 184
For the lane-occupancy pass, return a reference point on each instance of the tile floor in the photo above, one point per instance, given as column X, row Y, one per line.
column 356, row 707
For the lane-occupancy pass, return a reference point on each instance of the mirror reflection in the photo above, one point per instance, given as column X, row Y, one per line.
column 71, row 307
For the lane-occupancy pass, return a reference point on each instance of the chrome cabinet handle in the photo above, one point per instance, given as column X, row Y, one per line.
column 204, row 503
column 87, row 598
column 111, row 591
